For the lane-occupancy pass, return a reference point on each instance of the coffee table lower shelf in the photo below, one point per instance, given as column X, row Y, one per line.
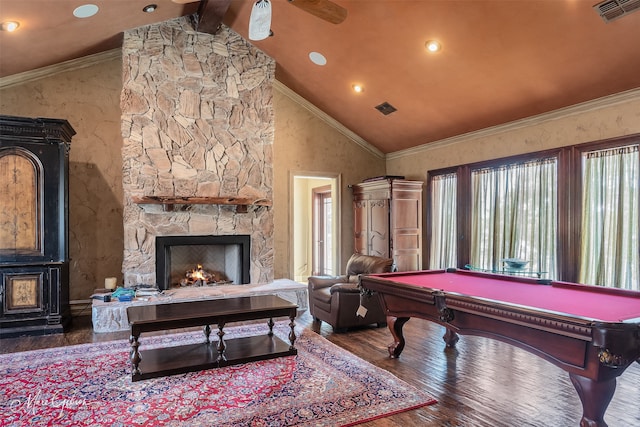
column 196, row 357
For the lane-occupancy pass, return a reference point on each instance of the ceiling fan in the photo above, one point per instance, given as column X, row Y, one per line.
column 210, row 17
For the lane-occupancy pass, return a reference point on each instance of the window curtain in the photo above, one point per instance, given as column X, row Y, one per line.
column 514, row 215
column 609, row 254
column 443, row 253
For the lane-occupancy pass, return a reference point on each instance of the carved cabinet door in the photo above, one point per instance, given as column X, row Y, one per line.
column 20, row 207
column 388, row 221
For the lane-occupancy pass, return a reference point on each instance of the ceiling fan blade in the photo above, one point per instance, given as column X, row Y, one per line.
column 323, row 9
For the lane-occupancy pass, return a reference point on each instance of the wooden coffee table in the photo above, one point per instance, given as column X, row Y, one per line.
column 159, row 362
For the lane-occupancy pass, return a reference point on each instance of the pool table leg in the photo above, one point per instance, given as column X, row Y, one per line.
column 395, row 326
column 595, row 397
column 450, row 337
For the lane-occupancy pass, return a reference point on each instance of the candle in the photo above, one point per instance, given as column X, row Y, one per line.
column 110, row 283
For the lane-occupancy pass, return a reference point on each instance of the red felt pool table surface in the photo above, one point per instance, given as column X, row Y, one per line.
column 585, row 301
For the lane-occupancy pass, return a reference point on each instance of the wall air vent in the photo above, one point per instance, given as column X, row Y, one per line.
column 386, row 108
column 611, row 10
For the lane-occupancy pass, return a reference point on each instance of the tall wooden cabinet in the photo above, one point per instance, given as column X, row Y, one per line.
column 388, row 221
column 34, row 257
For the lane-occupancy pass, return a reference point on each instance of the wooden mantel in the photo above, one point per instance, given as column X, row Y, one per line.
column 168, row 202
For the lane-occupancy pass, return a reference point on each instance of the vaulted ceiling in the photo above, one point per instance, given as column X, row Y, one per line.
column 501, row 60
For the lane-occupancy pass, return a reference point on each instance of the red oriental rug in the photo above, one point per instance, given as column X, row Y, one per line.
column 90, row 385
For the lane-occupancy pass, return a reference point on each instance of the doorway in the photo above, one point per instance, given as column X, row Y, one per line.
column 315, row 213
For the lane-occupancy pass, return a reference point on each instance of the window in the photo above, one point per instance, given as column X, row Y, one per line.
column 573, row 213
column 514, row 215
column 609, row 249
column 443, row 252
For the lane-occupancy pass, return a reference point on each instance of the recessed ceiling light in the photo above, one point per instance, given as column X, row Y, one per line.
column 317, row 58
column 85, row 11
column 9, row 26
column 358, row 88
column 433, row 46
column 150, row 8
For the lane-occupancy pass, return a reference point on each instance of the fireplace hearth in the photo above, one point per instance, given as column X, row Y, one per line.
column 229, row 256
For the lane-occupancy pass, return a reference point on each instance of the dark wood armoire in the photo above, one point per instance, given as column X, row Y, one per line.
column 34, row 206
column 388, row 220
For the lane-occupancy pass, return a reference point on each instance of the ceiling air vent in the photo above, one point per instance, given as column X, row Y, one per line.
column 386, row 108
column 613, row 9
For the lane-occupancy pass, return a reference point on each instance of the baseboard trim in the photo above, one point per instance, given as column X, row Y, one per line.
column 80, row 307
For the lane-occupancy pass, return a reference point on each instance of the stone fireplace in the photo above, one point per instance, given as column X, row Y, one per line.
column 197, row 124
column 225, row 259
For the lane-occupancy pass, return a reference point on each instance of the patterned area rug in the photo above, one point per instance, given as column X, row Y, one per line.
column 90, row 385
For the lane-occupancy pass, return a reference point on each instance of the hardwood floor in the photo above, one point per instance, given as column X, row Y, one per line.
column 480, row 383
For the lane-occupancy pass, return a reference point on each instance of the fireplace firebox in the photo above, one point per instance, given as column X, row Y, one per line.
column 227, row 258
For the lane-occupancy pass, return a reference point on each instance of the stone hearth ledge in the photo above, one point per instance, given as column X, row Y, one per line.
column 112, row 316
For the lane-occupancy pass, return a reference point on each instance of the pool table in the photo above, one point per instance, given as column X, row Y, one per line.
column 591, row 332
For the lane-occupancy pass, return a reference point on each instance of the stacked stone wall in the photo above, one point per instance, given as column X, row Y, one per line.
column 197, row 121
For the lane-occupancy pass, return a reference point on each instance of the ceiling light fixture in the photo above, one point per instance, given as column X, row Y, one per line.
column 358, row 88
column 260, row 20
column 85, row 11
column 150, row 8
column 433, row 46
column 317, row 58
column 9, row 26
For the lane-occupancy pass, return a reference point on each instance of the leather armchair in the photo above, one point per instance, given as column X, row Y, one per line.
column 336, row 299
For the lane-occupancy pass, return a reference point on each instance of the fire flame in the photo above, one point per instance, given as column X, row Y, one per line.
column 198, row 274
column 201, row 277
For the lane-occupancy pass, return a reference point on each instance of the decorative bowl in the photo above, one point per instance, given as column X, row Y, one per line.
column 515, row 263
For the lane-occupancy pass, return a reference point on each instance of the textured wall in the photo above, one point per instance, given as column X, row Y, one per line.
column 304, row 143
column 89, row 99
column 197, row 120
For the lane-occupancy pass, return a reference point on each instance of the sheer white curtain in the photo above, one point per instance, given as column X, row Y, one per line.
column 609, row 248
column 443, row 253
column 514, row 215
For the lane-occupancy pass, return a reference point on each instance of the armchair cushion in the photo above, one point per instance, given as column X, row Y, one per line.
column 367, row 264
column 319, row 282
column 336, row 299
column 352, row 288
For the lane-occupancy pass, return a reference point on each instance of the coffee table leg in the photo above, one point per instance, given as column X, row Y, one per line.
column 135, row 355
column 207, row 333
column 270, row 323
column 221, row 345
column 292, row 334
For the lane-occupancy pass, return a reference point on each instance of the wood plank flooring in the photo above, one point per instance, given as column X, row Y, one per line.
column 480, row 383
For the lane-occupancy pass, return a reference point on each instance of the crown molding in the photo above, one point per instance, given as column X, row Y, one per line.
column 584, row 107
column 51, row 70
column 280, row 87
